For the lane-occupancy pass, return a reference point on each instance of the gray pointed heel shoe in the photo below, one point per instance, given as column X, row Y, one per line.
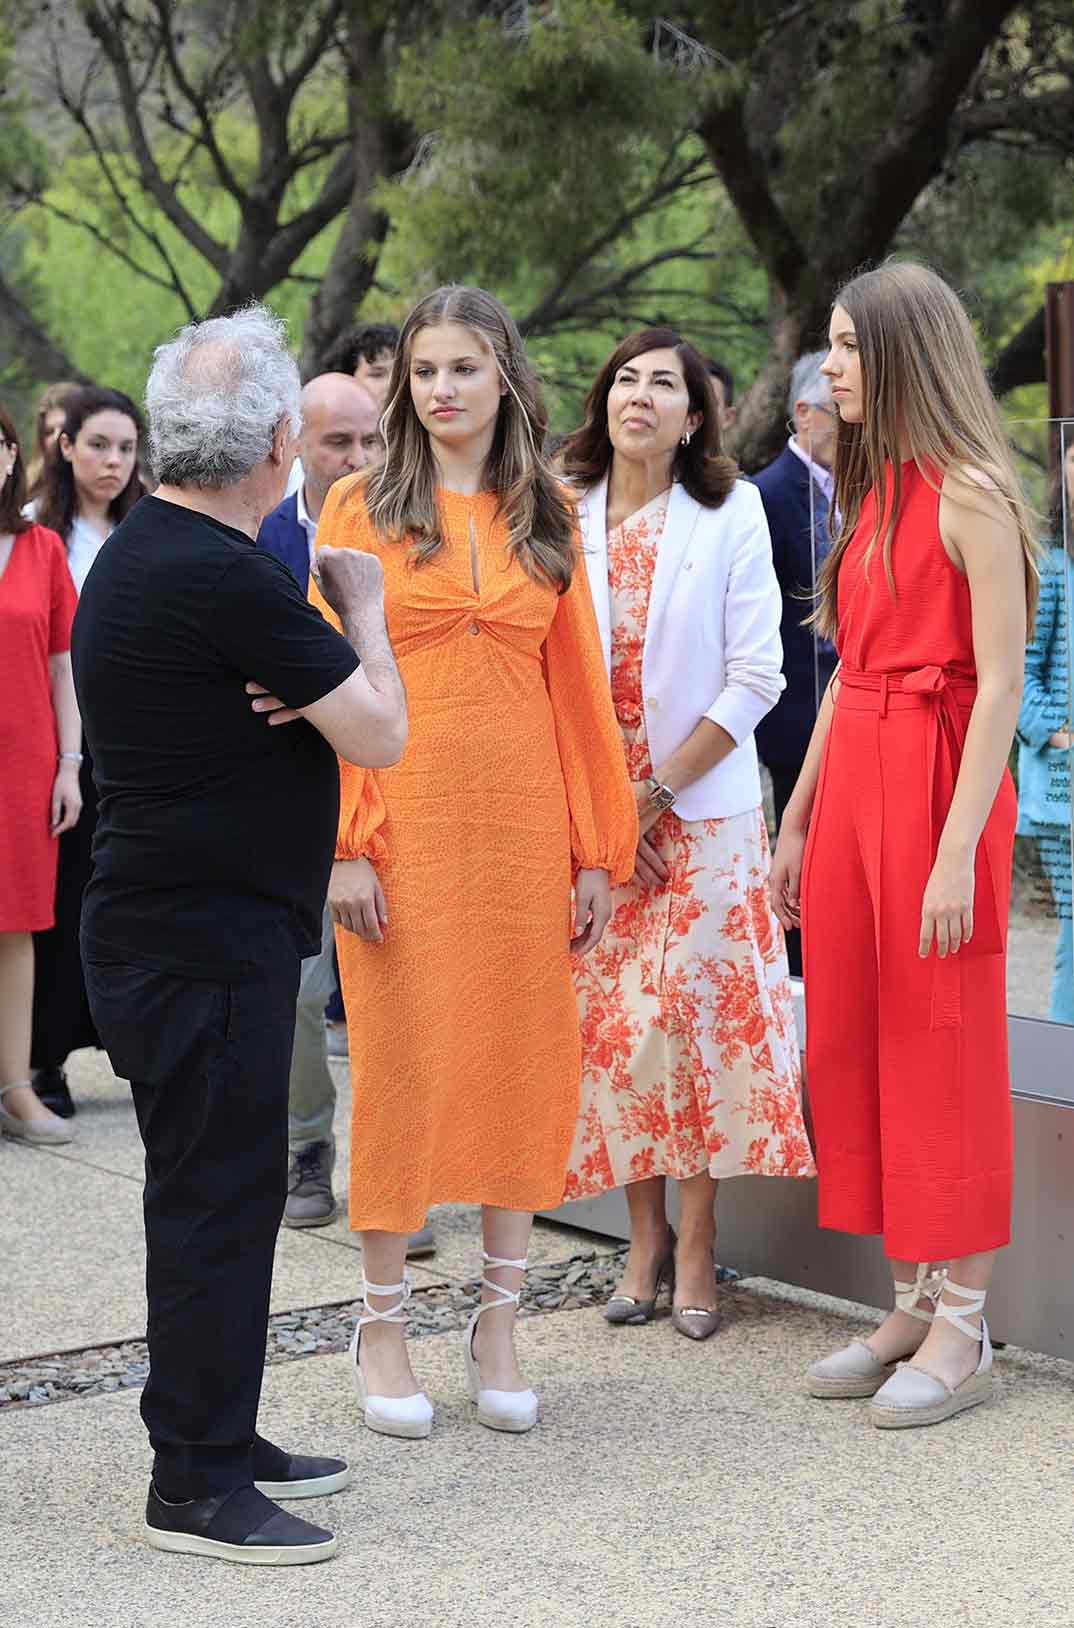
column 50, row 1132
column 856, row 1370
column 626, row 1309
column 913, row 1396
column 696, row 1322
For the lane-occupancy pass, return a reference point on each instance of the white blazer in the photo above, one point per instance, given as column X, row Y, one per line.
column 712, row 645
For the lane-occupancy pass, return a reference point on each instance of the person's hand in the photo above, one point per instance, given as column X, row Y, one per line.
column 66, row 803
column 356, row 899
column 277, row 710
column 349, row 578
column 649, row 868
column 592, row 909
column 1063, row 738
column 947, row 908
column 785, row 878
column 647, row 814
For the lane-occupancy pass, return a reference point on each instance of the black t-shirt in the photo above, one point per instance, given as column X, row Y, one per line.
column 216, row 831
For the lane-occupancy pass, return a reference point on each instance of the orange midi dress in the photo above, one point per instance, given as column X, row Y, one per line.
column 463, row 1024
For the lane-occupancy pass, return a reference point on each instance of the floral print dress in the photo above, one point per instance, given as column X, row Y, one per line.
column 689, row 1047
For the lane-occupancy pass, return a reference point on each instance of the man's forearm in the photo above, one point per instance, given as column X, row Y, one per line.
column 365, row 631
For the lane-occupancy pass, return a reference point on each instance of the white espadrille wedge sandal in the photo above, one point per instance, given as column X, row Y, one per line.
column 913, row 1396
column 409, row 1416
column 856, row 1370
column 513, row 1411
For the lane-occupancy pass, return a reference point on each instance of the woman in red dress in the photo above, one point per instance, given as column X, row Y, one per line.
column 39, row 792
column 896, row 846
column 90, row 483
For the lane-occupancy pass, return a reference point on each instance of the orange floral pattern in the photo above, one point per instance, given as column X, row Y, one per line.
column 689, row 1047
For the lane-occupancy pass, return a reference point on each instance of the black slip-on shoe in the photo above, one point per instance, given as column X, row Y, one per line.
column 292, row 1475
column 51, row 1088
column 241, row 1526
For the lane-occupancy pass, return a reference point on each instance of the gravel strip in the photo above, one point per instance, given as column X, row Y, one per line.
column 586, row 1279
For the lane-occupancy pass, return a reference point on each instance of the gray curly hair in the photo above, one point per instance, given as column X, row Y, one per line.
column 215, row 396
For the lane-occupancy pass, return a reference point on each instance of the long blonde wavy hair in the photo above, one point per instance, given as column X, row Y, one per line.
column 924, row 396
column 401, row 494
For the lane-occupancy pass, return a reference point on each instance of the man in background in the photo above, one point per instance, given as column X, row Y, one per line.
column 723, row 384
column 340, row 435
column 367, row 354
column 797, row 493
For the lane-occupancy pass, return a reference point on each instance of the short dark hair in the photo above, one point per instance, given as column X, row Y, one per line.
column 13, row 491
column 721, row 371
column 704, row 471
column 363, row 344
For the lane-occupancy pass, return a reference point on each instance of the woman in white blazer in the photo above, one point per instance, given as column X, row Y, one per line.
column 690, row 1057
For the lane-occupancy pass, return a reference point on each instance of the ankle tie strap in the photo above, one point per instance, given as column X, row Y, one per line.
column 395, row 1314
column 927, row 1285
column 506, row 1297
column 958, row 1314
column 14, row 1086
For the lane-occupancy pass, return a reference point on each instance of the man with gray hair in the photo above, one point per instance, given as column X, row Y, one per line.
column 797, row 493
column 216, row 837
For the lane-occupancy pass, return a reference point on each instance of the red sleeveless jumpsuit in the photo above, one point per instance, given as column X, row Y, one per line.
column 906, row 1058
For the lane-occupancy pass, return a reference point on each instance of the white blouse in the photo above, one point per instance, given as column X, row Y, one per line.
column 83, row 546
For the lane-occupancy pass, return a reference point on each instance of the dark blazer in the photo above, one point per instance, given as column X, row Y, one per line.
column 282, row 535
column 783, row 736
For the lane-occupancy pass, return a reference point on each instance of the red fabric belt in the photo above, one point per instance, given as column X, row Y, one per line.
column 949, row 698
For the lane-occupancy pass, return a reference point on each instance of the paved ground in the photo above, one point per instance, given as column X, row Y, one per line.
column 667, row 1482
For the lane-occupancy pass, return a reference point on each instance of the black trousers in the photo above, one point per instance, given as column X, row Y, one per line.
column 208, row 1064
column 61, row 1016
column 784, row 776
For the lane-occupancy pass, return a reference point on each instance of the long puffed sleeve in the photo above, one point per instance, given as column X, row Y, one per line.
column 753, row 650
column 1043, row 712
column 600, row 797
column 362, row 812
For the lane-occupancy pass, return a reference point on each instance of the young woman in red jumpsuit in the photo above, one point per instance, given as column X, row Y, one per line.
column 895, row 850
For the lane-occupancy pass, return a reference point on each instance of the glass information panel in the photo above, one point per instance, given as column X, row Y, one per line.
column 1040, row 963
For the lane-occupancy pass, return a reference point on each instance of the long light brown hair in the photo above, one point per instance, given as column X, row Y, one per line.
column 401, row 494
column 52, row 397
column 924, row 396
column 701, row 466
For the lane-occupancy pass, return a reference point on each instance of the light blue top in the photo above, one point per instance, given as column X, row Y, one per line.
column 1044, row 770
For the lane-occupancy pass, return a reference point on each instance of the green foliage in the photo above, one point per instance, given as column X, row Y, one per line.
column 535, row 144
column 557, row 165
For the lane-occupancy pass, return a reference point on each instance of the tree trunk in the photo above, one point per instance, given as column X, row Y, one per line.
column 1021, row 361
column 28, row 343
column 353, row 264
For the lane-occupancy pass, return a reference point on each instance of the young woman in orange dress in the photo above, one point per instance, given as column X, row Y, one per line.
column 896, row 847
column 452, row 888
column 690, row 1052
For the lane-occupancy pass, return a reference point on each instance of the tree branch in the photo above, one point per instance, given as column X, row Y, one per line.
column 666, row 186
column 1021, row 361
column 745, row 178
column 31, row 343
column 171, row 284
column 77, row 113
column 152, row 179
column 911, row 152
column 1048, row 117
column 195, row 101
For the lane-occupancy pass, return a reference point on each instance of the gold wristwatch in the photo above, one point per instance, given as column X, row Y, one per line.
column 660, row 797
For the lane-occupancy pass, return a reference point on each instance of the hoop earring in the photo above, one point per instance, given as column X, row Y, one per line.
column 684, row 440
